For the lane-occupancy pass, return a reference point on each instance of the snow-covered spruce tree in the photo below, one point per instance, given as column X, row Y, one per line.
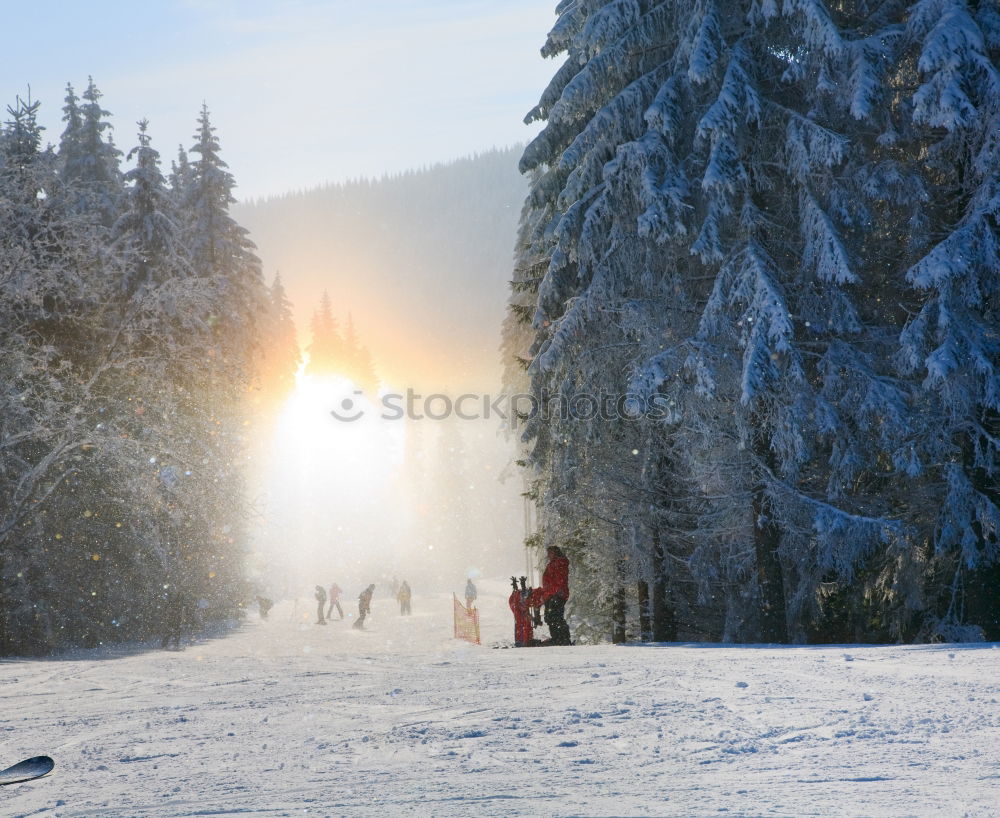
column 180, row 177
column 88, row 158
column 581, row 462
column 223, row 255
column 222, row 251
column 70, row 142
column 220, row 247
column 147, row 234
column 791, row 341
column 723, row 202
column 901, row 435
column 279, row 349
column 326, row 350
column 516, row 334
column 950, row 345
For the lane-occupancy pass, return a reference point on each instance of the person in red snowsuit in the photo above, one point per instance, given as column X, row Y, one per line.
column 524, row 633
column 553, row 595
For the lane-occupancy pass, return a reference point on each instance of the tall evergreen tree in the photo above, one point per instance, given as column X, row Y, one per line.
column 280, row 355
column 219, row 245
column 69, row 142
column 88, row 157
column 223, row 255
column 326, row 352
column 949, row 346
column 147, row 233
column 719, row 188
column 181, row 177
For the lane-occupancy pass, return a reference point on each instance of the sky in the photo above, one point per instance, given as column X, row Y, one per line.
column 302, row 92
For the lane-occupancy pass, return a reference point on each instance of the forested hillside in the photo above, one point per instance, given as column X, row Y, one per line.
column 420, row 260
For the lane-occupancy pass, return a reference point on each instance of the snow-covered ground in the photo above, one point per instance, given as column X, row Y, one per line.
column 284, row 717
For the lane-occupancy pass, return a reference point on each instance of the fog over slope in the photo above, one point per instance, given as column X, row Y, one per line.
column 420, row 259
column 421, row 262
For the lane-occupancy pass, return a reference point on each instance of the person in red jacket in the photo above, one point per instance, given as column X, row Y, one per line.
column 524, row 635
column 554, row 593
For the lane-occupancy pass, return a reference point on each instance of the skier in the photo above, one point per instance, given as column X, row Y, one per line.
column 524, row 635
column 335, row 592
column 364, row 605
column 265, row 606
column 403, row 597
column 470, row 593
column 320, row 604
column 553, row 595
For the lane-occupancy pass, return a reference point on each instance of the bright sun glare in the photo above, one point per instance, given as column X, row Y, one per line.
column 329, row 488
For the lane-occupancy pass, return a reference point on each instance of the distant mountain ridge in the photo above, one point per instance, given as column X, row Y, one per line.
column 421, row 259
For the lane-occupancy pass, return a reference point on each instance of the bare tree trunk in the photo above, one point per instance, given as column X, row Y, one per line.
column 645, row 625
column 4, row 641
column 664, row 615
column 618, row 634
column 766, row 536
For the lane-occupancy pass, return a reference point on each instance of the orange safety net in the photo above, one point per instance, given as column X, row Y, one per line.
column 466, row 622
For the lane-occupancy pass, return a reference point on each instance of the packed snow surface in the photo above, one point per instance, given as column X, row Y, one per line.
column 284, row 717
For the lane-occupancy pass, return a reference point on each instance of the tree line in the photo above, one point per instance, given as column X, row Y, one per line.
column 781, row 222
column 412, row 249
column 334, row 353
column 132, row 318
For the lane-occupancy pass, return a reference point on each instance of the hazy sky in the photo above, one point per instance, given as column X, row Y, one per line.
column 301, row 91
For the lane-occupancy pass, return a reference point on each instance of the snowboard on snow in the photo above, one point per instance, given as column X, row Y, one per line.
column 27, row 770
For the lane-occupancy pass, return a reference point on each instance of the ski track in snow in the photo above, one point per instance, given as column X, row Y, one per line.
column 285, row 718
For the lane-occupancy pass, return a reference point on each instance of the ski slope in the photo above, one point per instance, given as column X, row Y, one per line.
column 283, row 718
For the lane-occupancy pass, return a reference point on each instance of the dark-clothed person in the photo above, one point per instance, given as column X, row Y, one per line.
column 403, row 597
column 364, row 605
column 175, row 618
column 554, row 593
column 320, row 604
